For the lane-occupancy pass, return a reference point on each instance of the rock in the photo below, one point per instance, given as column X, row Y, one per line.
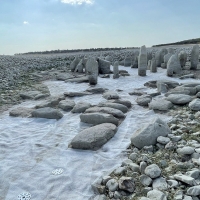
column 127, row 61
column 96, row 90
column 64, row 76
column 153, row 67
column 160, row 104
column 30, row 94
column 193, row 173
column 167, row 57
column 126, row 103
column 80, row 107
column 194, row 191
column 153, row 171
column 144, row 100
column 182, row 56
column 143, row 166
column 120, row 171
column 109, row 58
column 92, row 70
column 185, row 179
column 118, row 106
column 163, row 140
column 112, row 185
column 179, row 99
column 172, row 183
column 79, row 67
column 93, row 138
column 115, row 112
column 187, row 76
column 21, row 112
column 47, row 112
column 156, row 195
column 116, row 70
column 185, row 150
column 162, row 88
column 104, row 66
column 160, row 184
column 145, row 180
column 98, row 118
column 142, row 61
column 74, row 64
column 76, row 94
column 194, row 56
column 110, row 95
column 83, row 79
column 195, row 105
column 173, row 66
column 127, row 184
column 149, row 133
column 170, row 84
column 66, row 105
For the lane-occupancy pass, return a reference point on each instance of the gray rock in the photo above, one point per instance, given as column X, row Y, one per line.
column 173, row 66
column 160, row 184
column 83, row 79
column 145, row 180
column 118, row 106
column 116, row 70
column 185, row 179
column 120, row 171
column 172, row 183
column 76, row 94
column 93, row 138
column 153, row 67
column 195, row 105
column 194, row 191
column 97, row 90
column 153, row 171
column 48, row 113
column 110, row 95
column 156, row 195
column 30, row 94
column 182, row 58
column 143, row 166
column 104, row 66
column 127, row 184
column 179, row 99
column 160, row 104
column 167, row 57
column 142, row 61
column 74, row 64
column 66, row 105
column 80, row 107
column 21, row 112
column 98, row 118
column 149, row 133
column 187, row 150
column 193, row 173
column 126, row 103
column 163, row 140
column 64, row 76
column 194, row 56
column 79, row 67
column 92, row 70
column 112, row 185
column 144, row 100
column 170, row 84
column 162, row 88
column 127, row 61
column 115, row 112
column 187, row 76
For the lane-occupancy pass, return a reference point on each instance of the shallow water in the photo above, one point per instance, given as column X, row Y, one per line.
column 30, row 149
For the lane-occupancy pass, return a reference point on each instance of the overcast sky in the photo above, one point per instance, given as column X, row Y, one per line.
column 39, row 25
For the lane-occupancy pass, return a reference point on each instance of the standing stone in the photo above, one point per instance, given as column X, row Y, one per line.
column 74, row 63
column 149, row 65
column 109, row 58
column 127, row 62
column 104, row 66
column 159, row 56
column 167, row 57
column 173, row 65
column 153, row 67
column 182, row 57
column 92, row 71
column 142, row 61
column 195, row 56
column 79, row 67
column 135, row 62
column 116, row 70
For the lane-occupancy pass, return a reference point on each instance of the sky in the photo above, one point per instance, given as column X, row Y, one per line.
column 40, row 25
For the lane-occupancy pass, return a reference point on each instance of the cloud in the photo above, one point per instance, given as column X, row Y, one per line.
column 26, row 23
column 78, row 2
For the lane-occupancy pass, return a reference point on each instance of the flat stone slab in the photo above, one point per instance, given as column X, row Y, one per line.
column 160, row 104
column 144, row 100
column 126, row 103
column 76, row 94
column 93, row 138
column 78, row 80
column 21, row 112
column 185, row 179
column 80, row 107
column 64, row 76
column 30, row 94
column 98, row 118
column 110, row 95
column 48, row 113
column 115, row 112
column 96, row 90
column 118, row 106
column 66, row 105
column 179, row 99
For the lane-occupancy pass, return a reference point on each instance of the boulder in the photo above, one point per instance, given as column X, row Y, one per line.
column 128, row 61
column 148, row 135
column 160, row 104
column 194, row 56
column 173, row 66
column 153, row 67
column 115, row 112
column 144, row 100
column 98, row 118
column 76, row 94
column 92, row 70
column 110, row 95
column 179, row 99
column 66, row 105
column 126, row 103
column 182, row 56
column 79, row 67
column 80, row 107
column 64, row 76
column 74, row 64
column 30, row 94
column 116, row 70
column 96, row 90
column 48, row 113
column 83, row 79
column 118, row 106
column 153, row 171
column 93, row 138
column 195, row 105
column 21, row 112
column 104, row 66
column 142, row 61
column 156, row 195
